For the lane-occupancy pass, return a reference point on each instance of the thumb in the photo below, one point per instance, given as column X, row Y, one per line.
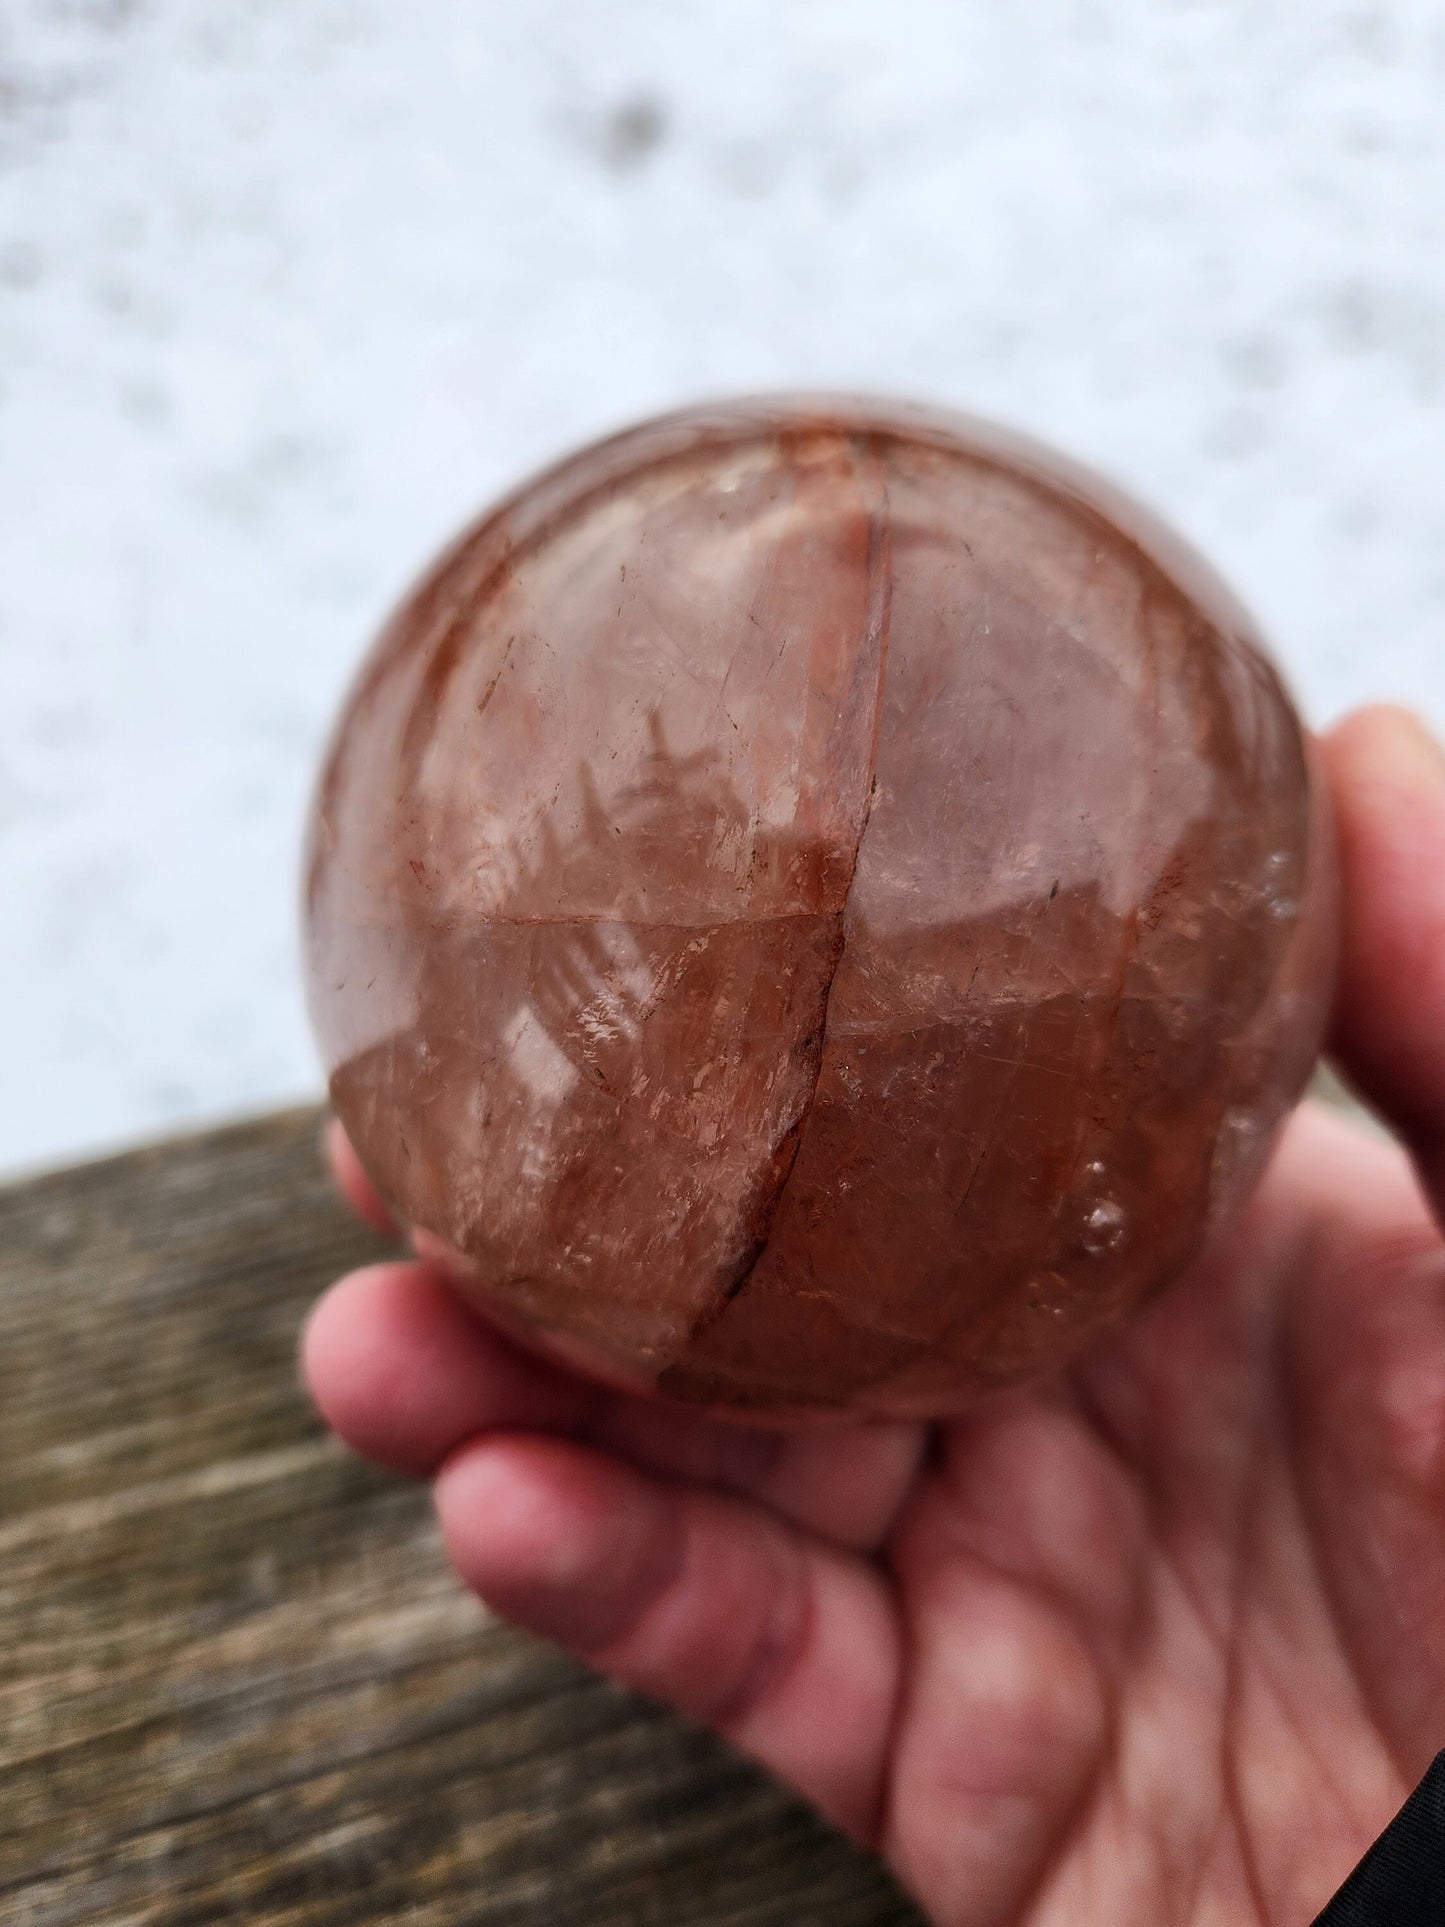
column 1387, row 780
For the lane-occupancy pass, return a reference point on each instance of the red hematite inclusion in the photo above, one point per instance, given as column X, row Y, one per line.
column 818, row 906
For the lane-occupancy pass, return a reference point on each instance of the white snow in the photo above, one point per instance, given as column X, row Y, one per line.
column 290, row 287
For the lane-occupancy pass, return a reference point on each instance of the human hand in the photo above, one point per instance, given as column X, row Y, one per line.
column 1164, row 1640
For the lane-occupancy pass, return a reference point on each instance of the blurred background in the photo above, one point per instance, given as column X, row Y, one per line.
column 288, row 288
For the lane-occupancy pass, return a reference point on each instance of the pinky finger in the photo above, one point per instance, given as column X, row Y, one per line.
column 788, row 1647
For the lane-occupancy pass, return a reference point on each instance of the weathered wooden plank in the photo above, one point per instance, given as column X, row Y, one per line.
column 236, row 1679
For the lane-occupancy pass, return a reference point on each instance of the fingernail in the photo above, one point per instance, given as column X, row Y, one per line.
column 1417, row 755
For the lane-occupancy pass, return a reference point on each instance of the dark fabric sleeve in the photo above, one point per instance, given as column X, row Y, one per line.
column 1401, row 1880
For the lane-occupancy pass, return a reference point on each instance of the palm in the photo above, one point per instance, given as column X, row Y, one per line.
column 1162, row 1641
column 1173, row 1620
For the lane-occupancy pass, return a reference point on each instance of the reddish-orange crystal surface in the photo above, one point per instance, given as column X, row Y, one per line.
column 817, row 906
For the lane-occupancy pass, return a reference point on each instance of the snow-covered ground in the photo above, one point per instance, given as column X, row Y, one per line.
column 289, row 287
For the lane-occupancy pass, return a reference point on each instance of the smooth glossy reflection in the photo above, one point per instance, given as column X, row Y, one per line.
column 821, row 906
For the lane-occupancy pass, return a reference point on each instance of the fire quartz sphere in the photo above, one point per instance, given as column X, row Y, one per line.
column 817, row 907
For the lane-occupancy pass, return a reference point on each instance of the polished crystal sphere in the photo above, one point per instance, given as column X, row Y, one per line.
column 817, row 906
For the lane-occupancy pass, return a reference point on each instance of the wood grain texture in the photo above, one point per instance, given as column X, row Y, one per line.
column 237, row 1682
